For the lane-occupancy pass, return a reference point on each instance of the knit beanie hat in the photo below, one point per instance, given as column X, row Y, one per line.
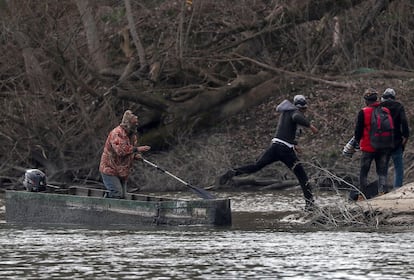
column 389, row 93
column 370, row 95
column 300, row 101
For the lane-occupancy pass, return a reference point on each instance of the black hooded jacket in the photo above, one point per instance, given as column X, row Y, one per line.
column 400, row 120
column 289, row 120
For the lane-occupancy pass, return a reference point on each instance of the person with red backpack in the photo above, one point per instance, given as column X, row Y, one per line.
column 363, row 136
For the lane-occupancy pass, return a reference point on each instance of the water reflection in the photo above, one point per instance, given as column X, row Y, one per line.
column 203, row 254
column 243, row 251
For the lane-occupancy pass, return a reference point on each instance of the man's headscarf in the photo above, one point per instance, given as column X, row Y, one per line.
column 126, row 122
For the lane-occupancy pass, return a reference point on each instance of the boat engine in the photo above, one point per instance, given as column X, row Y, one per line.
column 34, row 180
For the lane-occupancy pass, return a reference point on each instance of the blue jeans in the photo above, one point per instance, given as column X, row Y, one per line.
column 115, row 185
column 397, row 159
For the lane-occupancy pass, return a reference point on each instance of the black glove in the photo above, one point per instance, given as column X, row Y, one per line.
column 356, row 146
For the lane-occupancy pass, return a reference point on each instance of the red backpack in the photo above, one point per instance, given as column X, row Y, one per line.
column 382, row 128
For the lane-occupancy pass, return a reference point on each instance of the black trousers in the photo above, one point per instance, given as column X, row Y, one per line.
column 280, row 152
column 381, row 159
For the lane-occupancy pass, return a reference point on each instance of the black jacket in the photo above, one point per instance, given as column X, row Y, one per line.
column 289, row 120
column 400, row 120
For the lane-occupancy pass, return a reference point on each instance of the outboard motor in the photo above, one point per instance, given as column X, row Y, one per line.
column 34, row 180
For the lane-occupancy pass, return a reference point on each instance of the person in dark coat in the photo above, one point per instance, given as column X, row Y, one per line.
column 283, row 147
column 401, row 133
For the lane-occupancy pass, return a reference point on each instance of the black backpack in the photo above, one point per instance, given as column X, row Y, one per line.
column 382, row 128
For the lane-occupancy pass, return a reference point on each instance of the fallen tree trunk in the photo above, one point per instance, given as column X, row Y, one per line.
column 253, row 182
column 212, row 110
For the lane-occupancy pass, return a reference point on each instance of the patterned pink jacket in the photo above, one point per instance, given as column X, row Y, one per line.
column 118, row 157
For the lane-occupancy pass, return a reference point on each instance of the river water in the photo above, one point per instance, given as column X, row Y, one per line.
column 252, row 248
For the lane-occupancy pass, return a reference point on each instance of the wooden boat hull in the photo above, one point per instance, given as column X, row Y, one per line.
column 84, row 206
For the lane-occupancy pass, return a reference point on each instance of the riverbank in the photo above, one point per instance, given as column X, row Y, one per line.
column 392, row 210
column 242, row 138
column 395, row 208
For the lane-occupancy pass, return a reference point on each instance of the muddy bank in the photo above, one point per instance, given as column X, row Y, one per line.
column 395, row 208
column 392, row 210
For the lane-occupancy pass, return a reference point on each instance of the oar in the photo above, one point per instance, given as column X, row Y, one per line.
column 198, row 191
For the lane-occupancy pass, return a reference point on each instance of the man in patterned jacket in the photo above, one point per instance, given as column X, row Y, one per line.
column 120, row 150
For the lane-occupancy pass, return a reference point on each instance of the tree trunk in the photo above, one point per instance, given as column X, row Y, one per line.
column 39, row 80
column 93, row 36
column 134, row 34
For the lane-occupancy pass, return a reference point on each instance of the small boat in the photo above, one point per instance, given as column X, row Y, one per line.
column 89, row 207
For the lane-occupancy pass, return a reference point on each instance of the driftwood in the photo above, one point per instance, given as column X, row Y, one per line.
column 252, row 182
column 280, row 185
column 395, row 208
